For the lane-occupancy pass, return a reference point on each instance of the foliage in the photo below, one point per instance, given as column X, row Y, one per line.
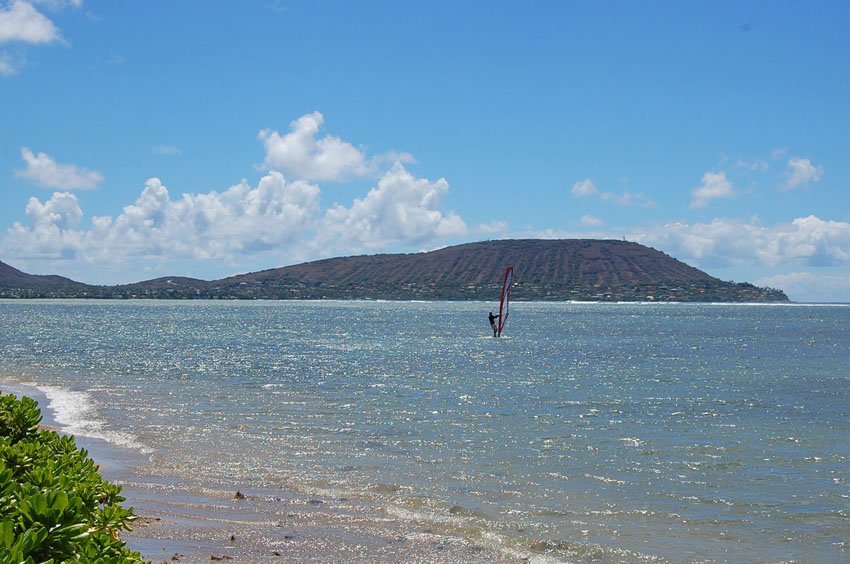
column 54, row 504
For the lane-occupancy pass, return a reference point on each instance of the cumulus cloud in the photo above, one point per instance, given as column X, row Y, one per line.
column 303, row 154
column 729, row 242
column 586, row 188
column 276, row 218
column 801, row 172
column 47, row 173
column 714, row 185
column 52, row 229
column 241, row 219
column 810, row 287
column 401, row 208
column 21, row 22
column 213, row 225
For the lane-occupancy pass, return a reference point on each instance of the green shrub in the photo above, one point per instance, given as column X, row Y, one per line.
column 54, row 505
column 18, row 418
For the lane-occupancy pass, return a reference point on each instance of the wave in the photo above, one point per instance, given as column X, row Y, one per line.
column 76, row 414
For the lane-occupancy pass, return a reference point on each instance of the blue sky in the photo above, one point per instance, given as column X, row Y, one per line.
column 207, row 138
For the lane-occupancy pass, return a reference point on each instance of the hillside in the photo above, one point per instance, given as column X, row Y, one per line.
column 544, row 270
column 14, row 283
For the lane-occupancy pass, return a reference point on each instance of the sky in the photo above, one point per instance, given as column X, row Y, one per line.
column 211, row 138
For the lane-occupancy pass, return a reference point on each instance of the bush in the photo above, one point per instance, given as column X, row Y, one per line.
column 54, row 505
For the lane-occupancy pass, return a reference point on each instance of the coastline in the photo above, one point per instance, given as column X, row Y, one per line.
column 178, row 523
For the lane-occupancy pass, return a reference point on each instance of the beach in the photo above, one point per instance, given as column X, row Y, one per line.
column 260, row 527
column 176, row 524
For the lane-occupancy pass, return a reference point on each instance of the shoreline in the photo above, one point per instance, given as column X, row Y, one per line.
column 178, row 523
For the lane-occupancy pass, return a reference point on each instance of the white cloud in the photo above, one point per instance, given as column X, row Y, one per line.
column 586, row 188
column 819, row 242
column 273, row 223
column 21, row 22
column 46, row 172
column 197, row 226
column 401, row 208
column 302, row 154
column 51, row 233
column 591, row 221
column 729, row 242
column 810, row 287
column 214, row 225
column 801, row 172
column 714, row 185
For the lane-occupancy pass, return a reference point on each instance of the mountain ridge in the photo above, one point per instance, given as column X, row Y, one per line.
column 545, row 269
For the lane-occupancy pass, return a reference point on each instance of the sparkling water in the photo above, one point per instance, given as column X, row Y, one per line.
column 589, row 431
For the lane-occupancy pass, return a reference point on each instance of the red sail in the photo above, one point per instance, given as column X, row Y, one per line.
column 505, row 301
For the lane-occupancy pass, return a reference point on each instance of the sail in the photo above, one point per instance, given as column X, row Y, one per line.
column 504, row 303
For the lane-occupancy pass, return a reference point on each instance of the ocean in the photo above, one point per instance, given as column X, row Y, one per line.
column 589, row 432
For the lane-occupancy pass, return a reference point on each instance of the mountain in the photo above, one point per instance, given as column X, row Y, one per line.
column 574, row 269
column 14, row 283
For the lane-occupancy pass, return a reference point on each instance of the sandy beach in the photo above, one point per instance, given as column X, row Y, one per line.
column 174, row 526
column 176, row 523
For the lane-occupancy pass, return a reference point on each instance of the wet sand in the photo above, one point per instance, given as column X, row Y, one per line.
column 176, row 523
column 260, row 528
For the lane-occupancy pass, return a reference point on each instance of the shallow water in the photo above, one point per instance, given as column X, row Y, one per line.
column 588, row 432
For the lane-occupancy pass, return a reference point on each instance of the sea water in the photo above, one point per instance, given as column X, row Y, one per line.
column 588, row 432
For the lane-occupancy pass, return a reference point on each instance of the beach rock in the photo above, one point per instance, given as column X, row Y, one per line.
column 239, row 495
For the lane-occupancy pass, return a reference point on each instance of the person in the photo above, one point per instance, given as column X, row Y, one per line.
column 493, row 319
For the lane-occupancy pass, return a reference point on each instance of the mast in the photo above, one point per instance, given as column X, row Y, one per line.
column 504, row 302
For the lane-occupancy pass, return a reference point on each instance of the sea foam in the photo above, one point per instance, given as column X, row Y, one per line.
column 76, row 414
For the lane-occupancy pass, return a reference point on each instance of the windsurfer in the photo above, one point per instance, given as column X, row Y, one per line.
column 493, row 319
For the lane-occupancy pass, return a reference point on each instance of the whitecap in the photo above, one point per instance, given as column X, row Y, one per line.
column 76, row 414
